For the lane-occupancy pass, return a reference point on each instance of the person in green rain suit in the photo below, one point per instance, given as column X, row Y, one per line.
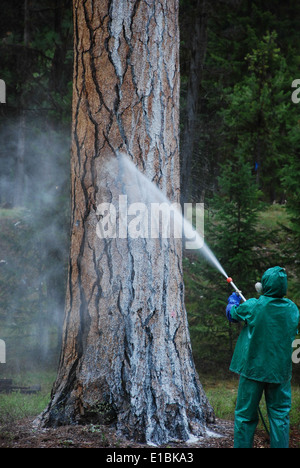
column 263, row 359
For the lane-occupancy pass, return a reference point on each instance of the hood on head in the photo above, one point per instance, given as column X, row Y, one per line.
column 275, row 283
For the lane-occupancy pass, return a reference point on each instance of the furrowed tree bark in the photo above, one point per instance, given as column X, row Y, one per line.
column 126, row 352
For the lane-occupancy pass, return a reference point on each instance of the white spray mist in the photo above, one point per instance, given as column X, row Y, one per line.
column 139, row 188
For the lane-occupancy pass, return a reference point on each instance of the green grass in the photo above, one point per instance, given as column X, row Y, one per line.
column 16, row 406
column 274, row 217
column 222, row 395
column 295, row 413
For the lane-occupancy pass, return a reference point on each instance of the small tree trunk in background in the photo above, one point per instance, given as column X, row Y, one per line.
column 19, row 186
column 189, row 137
column 126, row 347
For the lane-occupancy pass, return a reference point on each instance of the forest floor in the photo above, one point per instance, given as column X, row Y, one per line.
column 25, row 435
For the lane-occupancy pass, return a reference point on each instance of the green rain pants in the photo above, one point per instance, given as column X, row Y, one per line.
column 278, row 401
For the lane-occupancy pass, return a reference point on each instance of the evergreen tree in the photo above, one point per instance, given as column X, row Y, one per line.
column 233, row 230
column 257, row 113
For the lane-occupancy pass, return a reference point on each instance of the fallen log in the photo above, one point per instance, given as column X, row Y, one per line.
column 7, row 386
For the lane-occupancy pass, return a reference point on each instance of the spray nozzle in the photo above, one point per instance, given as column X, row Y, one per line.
column 230, row 281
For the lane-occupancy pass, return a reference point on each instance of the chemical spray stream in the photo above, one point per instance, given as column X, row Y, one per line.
column 139, row 188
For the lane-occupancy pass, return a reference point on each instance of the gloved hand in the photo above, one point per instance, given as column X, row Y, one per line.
column 234, row 300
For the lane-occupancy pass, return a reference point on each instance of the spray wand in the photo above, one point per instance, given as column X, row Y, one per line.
column 230, row 281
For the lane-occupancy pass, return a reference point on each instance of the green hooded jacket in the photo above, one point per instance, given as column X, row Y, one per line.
column 264, row 348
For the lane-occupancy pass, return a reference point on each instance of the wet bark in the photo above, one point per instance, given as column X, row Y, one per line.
column 126, row 352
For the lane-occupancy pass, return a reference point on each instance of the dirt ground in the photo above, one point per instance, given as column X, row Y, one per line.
column 25, row 435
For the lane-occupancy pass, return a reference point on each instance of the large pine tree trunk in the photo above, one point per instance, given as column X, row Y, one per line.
column 126, row 351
